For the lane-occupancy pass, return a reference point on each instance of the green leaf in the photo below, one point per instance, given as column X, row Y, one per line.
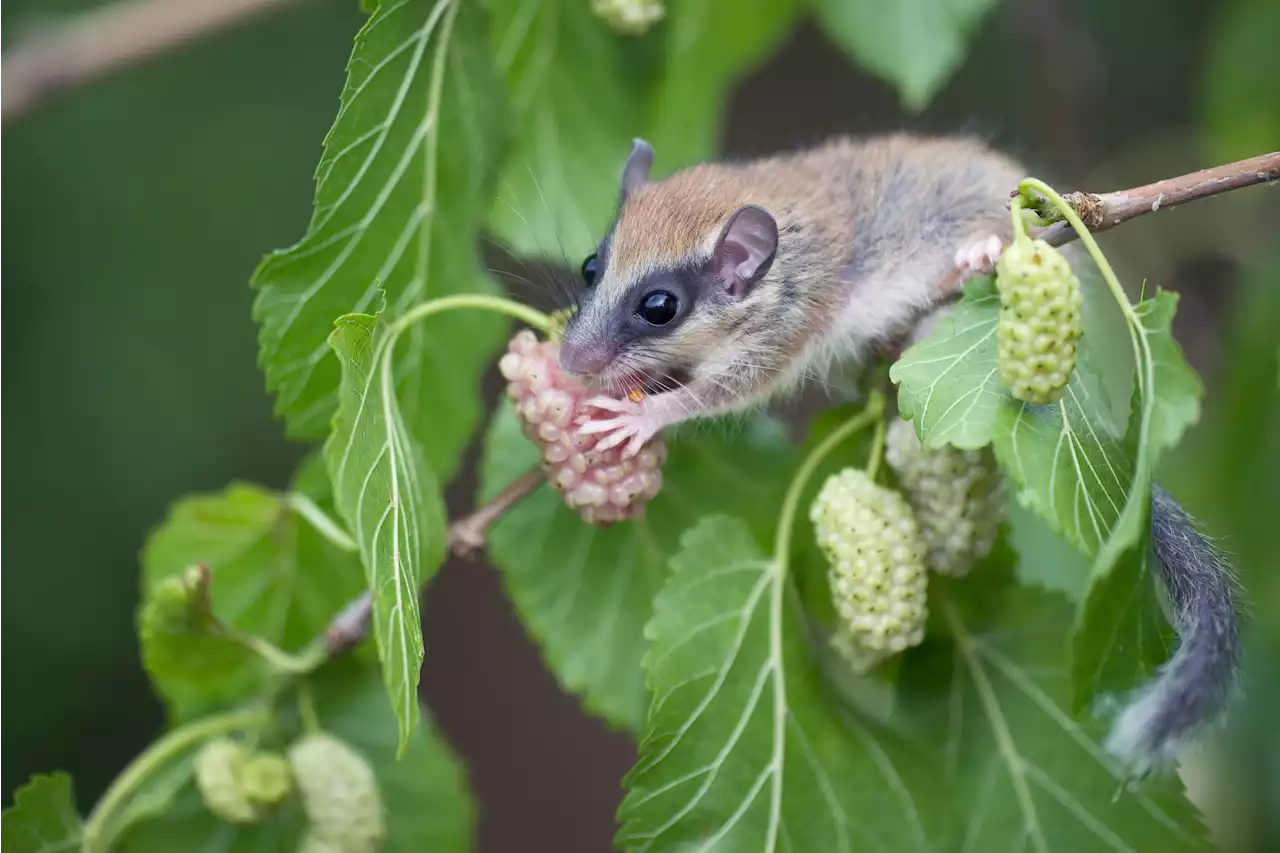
column 1026, row 774
column 271, row 575
column 1116, row 649
column 1122, row 636
column 710, row 47
column 405, row 178
column 1044, row 558
column 189, row 654
column 1068, row 460
column 742, row 750
column 949, row 385
column 43, row 817
column 574, row 88
column 586, row 592
column 915, row 45
column 427, row 804
column 391, row 502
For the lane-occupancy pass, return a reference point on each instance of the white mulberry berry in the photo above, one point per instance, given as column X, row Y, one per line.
column 340, row 795
column 601, row 486
column 957, row 496
column 630, row 17
column 219, row 771
column 239, row 784
column 1040, row 325
column 877, row 574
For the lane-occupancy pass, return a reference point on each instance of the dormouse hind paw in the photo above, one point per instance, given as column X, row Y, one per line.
column 978, row 256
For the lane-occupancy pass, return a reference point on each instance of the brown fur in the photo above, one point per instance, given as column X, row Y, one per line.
column 868, row 230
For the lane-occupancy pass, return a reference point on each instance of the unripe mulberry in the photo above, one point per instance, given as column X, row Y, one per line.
column 877, row 574
column 217, row 773
column 550, row 404
column 1039, row 326
column 340, row 795
column 630, row 17
column 957, row 496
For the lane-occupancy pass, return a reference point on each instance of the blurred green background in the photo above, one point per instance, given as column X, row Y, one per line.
column 137, row 208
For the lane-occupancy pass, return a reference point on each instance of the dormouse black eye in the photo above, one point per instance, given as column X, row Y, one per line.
column 589, row 270
column 658, row 307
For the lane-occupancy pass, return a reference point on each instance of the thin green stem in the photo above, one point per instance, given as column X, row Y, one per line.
column 1015, row 211
column 791, row 503
column 877, row 449
column 320, row 520
column 307, row 709
column 1086, row 237
column 540, row 321
column 167, row 747
column 299, row 664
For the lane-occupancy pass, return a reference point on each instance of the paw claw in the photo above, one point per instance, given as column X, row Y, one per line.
column 610, row 404
column 979, row 255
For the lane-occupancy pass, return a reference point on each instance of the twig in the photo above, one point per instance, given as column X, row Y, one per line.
column 95, row 43
column 1101, row 212
column 464, row 538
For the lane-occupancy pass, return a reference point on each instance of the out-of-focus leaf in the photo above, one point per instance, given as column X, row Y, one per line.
column 271, row 575
column 916, row 44
column 710, row 45
column 405, row 179
column 1026, row 774
column 43, row 817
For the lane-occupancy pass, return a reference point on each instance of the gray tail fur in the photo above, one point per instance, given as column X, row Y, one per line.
column 1194, row 686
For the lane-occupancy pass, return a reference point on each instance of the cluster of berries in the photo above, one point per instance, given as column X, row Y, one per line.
column 551, row 405
column 335, row 784
column 1040, row 324
column 881, row 543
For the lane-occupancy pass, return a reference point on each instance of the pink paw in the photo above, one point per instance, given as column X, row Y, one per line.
column 979, row 255
column 635, row 424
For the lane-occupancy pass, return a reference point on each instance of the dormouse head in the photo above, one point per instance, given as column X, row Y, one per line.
column 669, row 280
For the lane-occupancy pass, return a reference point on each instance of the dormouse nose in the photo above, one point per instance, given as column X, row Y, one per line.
column 585, row 358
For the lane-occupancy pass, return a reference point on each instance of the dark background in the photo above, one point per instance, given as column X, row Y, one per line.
column 137, row 208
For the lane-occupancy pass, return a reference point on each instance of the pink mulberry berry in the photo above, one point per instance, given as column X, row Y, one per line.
column 600, row 485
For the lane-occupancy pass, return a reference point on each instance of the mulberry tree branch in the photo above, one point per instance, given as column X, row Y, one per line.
column 464, row 538
column 95, row 43
column 1105, row 211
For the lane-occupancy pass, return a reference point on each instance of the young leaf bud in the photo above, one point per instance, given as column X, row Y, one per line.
column 339, row 793
column 957, row 496
column 877, row 573
column 1039, row 325
column 601, row 486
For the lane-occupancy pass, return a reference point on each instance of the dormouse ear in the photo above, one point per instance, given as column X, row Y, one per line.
column 745, row 249
column 636, row 172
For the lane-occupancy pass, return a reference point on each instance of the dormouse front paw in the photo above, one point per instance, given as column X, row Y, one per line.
column 978, row 256
column 635, row 424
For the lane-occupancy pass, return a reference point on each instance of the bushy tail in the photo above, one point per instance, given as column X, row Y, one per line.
column 1193, row 687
